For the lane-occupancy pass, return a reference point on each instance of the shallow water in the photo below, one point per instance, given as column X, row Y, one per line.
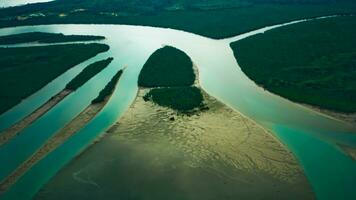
column 219, row 75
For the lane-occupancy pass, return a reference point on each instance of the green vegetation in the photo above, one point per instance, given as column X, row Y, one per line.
column 25, row 70
column 312, row 62
column 178, row 98
column 215, row 18
column 87, row 73
column 41, row 37
column 167, row 67
column 171, row 71
column 109, row 88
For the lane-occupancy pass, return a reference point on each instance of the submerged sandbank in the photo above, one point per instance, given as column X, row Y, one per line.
column 74, row 126
column 71, row 128
column 15, row 129
column 66, row 132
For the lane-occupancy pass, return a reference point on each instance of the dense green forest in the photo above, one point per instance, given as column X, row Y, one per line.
column 25, row 70
column 167, row 67
column 169, row 73
column 109, row 88
column 215, row 18
column 41, row 37
column 87, row 73
column 178, row 98
column 312, row 62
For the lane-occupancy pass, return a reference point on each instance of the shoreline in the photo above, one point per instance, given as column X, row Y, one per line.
column 11, row 132
column 350, row 151
column 349, row 118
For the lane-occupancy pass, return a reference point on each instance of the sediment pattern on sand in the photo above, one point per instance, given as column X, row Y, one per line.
column 156, row 153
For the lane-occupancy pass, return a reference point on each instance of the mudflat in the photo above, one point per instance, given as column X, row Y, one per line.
column 156, row 153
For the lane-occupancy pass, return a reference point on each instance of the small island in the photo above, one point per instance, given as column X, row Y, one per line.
column 169, row 76
column 109, row 89
column 87, row 73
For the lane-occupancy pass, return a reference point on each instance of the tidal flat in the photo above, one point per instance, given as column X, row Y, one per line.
column 157, row 153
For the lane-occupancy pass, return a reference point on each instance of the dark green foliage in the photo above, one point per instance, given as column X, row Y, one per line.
column 41, row 37
column 109, row 88
column 178, row 98
column 171, row 70
column 167, row 67
column 216, row 19
column 25, row 70
column 87, row 73
column 312, row 62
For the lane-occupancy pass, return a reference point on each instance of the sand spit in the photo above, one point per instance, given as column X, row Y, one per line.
column 154, row 152
column 16, row 129
column 219, row 134
column 71, row 128
column 220, row 141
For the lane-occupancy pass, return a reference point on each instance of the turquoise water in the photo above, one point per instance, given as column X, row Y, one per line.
column 37, row 133
column 299, row 128
column 335, row 175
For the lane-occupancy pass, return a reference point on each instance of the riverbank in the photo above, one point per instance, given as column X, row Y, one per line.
column 14, row 130
column 350, row 151
column 345, row 117
column 315, row 67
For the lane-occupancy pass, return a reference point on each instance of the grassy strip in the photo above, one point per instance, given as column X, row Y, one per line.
column 313, row 62
column 87, row 73
column 41, row 37
column 182, row 99
column 167, row 67
column 25, row 70
column 109, row 88
column 216, row 19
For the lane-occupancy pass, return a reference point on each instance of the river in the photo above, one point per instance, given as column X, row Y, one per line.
column 312, row 137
